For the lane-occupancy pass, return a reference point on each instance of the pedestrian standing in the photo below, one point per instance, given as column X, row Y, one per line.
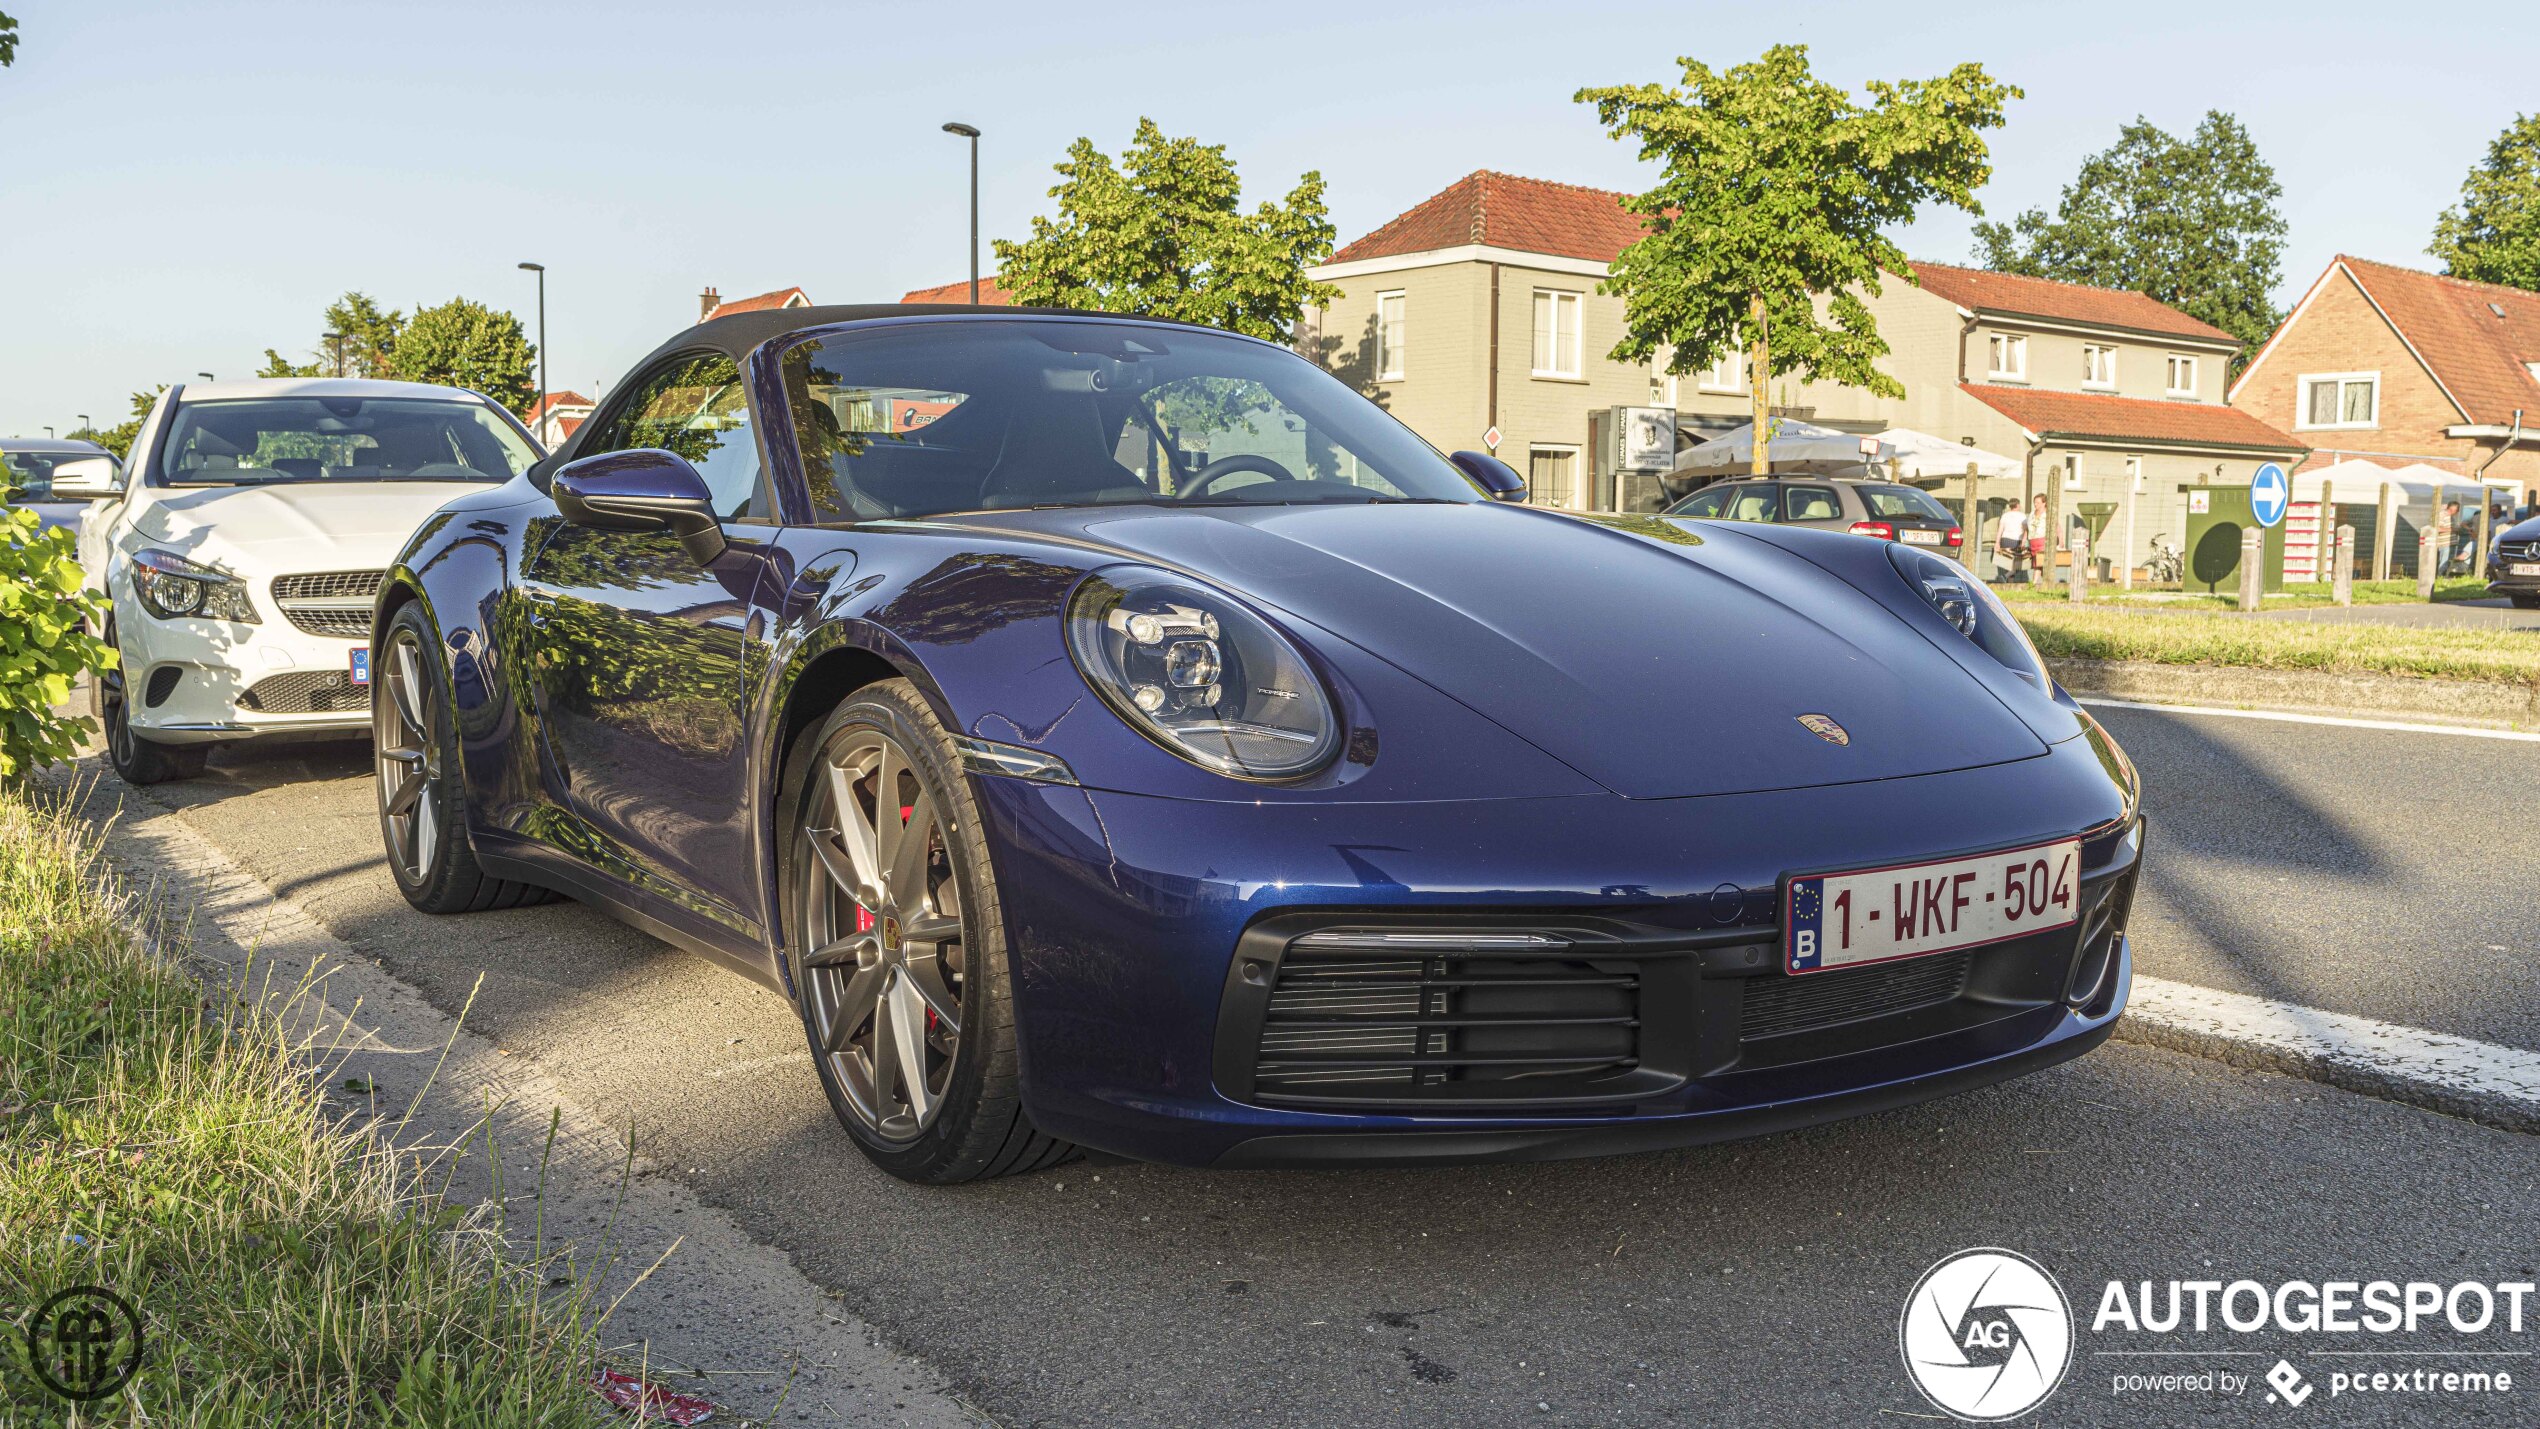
column 2040, row 558
column 2010, row 542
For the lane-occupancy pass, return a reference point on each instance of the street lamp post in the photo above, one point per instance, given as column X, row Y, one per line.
column 541, row 270
column 207, row 377
column 335, row 350
column 972, row 134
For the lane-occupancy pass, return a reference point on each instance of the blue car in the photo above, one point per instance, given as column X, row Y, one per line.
column 1116, row 734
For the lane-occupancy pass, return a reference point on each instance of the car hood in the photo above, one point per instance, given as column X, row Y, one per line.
column 2522, row 531
column 296, row 526
column 1657, row 661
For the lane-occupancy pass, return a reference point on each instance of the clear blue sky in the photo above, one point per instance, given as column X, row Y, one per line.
column 187, row 184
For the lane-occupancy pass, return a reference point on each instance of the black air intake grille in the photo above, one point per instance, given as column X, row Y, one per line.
column 333, row 603
column 329, row 585
column 306, row 692
column 1406, row 1016
column 1777, row 1006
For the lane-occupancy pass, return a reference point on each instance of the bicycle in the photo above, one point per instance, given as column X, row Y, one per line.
column 2166, row 566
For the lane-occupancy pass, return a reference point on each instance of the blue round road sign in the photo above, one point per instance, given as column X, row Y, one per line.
column 2269, row 494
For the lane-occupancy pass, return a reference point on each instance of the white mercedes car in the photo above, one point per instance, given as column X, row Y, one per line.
column 255, row 524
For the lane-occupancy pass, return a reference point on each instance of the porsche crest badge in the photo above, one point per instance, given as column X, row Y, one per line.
column 1824, row 727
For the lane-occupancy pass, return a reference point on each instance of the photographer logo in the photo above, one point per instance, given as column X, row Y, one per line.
column 1986, row 1335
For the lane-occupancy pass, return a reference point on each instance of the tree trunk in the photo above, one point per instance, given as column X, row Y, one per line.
column 1759, row 366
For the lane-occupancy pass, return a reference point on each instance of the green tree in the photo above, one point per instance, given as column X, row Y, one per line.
column 1768, row 222
column 1163, row 233
column 277, row 365
column 467, row 344
column 118, row 438
column 358, row 334
column 8, row 41
column 2494, row 236
column 2191, row 222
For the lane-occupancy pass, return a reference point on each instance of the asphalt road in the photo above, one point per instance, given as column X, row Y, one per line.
column 1757, row 1283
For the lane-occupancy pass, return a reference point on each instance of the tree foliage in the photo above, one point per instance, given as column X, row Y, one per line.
column 2494, row 235
column 1777, row 187
column 118, row 438
column 44, row 643
column 1163, row 233
column 2191, row 222
column 462, row 343
column 8, row 41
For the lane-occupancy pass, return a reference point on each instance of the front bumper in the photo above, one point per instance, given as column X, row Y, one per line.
column 1137, row 932
column 199, row 681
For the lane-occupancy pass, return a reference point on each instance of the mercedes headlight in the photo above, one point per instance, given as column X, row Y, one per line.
column 172, row 588
column 1963, row 599
column 1193, row 670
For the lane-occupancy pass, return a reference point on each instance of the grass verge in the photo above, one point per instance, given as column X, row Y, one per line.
column 2296, row 595
column 2206, row 638
column 288, row 1269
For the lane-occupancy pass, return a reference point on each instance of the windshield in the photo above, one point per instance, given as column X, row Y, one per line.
column 263, row 440
column 1892, row 503
column 925, row 418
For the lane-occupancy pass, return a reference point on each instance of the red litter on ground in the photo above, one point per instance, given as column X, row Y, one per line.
column 650, row 1402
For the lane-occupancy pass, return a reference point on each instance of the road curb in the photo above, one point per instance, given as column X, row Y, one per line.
column 2492, row 704
column 724, row 1316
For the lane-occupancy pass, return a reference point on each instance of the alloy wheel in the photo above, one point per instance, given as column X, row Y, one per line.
column 882, row 958
column 405, row 733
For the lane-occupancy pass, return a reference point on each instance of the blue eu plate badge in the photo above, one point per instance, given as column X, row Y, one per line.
column 361, row 666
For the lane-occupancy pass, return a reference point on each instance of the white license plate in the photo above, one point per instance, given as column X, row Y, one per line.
column 361, row 665
column 1877, row 915
column 1919, row 538
column 2523, row 568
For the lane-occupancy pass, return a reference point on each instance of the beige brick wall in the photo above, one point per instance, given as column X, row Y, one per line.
column 2341, row 331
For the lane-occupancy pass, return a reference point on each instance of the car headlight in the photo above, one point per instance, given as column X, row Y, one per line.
column 1193, row 670
column 1963, row 599
column 172, row 587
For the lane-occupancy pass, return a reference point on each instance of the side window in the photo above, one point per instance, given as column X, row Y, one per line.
column 1702, row 503
column 695, row 407
column 1754, row 503
column 1809, row 503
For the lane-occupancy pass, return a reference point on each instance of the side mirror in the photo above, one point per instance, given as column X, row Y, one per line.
column 641, row 490
column 1493, row 475
column 89, row 478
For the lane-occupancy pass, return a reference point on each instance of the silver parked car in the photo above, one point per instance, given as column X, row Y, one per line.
column 1864, row 508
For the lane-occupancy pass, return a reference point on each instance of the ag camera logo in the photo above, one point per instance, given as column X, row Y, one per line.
column 1986, row 1335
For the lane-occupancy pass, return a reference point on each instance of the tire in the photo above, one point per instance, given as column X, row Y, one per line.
column 885, row 937
column 422, row 809
column 139, row 760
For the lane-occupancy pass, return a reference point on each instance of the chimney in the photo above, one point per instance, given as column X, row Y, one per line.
column 707, row 302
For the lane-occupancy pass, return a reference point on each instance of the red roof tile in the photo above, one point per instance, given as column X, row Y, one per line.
column 2088, row 414
column 539, row 408
column 2482, row 357
column 1506, row 211
column 762, row 302
column 991, row 293
column 1983, row 291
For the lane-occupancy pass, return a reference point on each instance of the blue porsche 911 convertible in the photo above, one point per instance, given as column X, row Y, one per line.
column 1117, row 734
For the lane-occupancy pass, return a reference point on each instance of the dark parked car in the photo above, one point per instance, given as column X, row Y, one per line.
column 1883, row 509
column 2513, row 564
column 1120, row 734
column 56, row 477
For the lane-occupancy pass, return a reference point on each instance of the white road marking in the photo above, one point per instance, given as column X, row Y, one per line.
column 2308, row 1035
column 2403, row 726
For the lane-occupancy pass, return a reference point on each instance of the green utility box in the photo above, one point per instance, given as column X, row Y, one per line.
column 2213, row 540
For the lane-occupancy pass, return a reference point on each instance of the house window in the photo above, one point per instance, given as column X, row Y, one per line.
column 1727, row 373
column 1556, row 333
column 2134, row 471
column 2182, row 378
column 1552, row 476
column 2072, row 471
column 2009, row 357
column 1662, row 383
column 2098, row 365
column 1389, row 335
column 2341, row 399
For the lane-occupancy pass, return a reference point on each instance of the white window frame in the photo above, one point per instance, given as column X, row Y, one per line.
column 2092, row 354
column 2006, row 346
column 1576, row 302
column 1390, row 334
column 1578, row 472
column 2181, row 362
column 2073, row 475
column 1726, row 374
column 2302, row 401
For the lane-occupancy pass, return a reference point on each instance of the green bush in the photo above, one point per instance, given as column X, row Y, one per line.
column 45, row 643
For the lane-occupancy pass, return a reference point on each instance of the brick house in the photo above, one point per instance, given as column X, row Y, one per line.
column 1478, row 308
column 991, row 293
column 710, row 304
column 2393, row 366
column 553, row 417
